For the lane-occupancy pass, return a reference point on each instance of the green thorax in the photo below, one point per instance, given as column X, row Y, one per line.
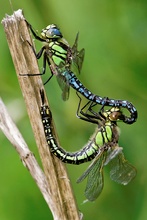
column 59, row 53
column 106, row 134
column 59, row 50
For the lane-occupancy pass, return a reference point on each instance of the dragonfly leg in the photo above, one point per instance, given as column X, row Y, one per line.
column 33, row 32
column 38, row 55
column 97, row 114
column 46, row 59
column 85, row 116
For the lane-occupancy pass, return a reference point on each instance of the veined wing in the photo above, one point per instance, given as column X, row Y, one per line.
column 64, row 85
column 77, row 56
column 94, row 174
column 112, row 153
column 121, row 171
column 60, row 72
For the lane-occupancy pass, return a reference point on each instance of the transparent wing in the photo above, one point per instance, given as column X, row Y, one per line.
column 77, row 56
column 94, row 174
column 64, row 85
column 112, row 153
column 121, row 171
column 62, row 81
column 58, row 71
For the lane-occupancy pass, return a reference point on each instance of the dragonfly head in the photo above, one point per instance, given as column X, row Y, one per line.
column 114, row 114
column 51, row 32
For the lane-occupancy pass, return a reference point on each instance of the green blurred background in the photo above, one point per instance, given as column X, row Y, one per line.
column 114, row 35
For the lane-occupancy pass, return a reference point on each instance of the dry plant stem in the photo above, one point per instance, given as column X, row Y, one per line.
column 62, row 203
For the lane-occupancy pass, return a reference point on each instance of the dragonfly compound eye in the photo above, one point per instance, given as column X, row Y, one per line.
column 51, row 31
column 116, row 114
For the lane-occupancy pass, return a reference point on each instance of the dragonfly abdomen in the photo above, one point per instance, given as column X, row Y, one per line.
column 78, row 86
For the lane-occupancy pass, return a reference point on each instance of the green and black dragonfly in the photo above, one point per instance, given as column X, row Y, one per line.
column 103, row 148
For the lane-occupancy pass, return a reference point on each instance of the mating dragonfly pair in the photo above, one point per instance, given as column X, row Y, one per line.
column 103, row 147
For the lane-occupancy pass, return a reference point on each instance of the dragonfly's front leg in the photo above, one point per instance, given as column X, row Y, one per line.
column 33, row 32
column 37, row 55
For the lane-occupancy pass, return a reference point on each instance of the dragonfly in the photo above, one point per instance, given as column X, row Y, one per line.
column 60, row 58
column 103, row 149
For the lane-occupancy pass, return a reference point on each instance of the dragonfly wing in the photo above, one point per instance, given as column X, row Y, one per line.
column 77, row 56
column 64, row 87
column 113, row 153
column 88, row 170
column 58, row 70
column 121, row 170
column 95, row 181
column 79, row 59
column 62, row 81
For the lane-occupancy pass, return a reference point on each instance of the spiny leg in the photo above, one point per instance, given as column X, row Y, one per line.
column 37, row 55
column 46, row 59
column 96, row 114
column 33, row 32
column 85, row 116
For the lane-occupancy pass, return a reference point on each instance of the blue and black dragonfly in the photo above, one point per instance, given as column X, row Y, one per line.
column 61, row 59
